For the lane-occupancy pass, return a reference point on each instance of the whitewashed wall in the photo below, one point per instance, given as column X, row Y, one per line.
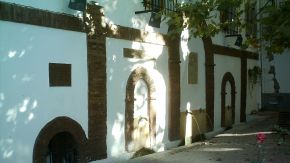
column 282, row 67
column 114, row 8
column 226, row 64
column 50, row 5
column 253, row 91
column 118, row 71
column 27, row 103
column 192, row 95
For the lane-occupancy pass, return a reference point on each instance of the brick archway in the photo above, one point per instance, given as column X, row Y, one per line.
column 54, row 127
column 228, row 77
column 135, row 76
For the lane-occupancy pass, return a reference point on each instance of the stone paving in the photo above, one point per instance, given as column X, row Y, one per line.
column 235, row 145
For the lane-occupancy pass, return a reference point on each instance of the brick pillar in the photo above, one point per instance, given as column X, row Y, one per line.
column 209, row 80
column 97, row 98
column 174, row 89
column 243, row 89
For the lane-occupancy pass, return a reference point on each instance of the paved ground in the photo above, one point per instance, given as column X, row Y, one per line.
column 235, row 145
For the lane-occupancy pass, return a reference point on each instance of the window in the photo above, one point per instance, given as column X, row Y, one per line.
column 251, row 19
column 277, row 3
column 155, row 6
column 59, row 74
column 159, row 5
column 192, row 68
column 228, row 16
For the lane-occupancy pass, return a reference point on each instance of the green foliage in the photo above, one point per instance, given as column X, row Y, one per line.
column 282, row 132
column 275, row 29
column 202, row 17
column 254, row 76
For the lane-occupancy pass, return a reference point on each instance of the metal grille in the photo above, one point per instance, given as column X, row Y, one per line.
column 70, row 156
column 229, row 16
column 277, row 3
column 164, row 6
column 251, row 13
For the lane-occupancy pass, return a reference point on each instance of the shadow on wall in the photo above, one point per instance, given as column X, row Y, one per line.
column 20, row 114
column 116, row 6
column 155, row 62
column 17, row 111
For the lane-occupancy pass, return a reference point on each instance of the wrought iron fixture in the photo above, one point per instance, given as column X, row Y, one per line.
column 79, row 5
column 155, row 20
column 239, row 40
column 157, row 7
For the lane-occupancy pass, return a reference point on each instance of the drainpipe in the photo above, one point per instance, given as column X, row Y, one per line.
column 260, row 55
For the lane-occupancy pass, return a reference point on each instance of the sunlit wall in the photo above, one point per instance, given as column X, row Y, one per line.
column 113, row 9
column 119, row 69
column 60, row 6
column 27, row 102
column 226, row 64
column 192, row 94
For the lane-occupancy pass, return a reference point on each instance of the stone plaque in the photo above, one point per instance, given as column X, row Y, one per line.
column 59, row 75
column 192, row 68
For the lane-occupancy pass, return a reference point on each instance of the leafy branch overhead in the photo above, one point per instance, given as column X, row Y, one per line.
column 204, row 18
column 276, row 27
column 201, row 17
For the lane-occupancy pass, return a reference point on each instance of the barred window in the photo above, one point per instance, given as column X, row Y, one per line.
column 251, row 19
column 159, row 5
column 229, row 16
column 156, row 6
column 277, row 3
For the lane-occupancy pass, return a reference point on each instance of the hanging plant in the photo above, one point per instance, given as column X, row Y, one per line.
column 254, row 75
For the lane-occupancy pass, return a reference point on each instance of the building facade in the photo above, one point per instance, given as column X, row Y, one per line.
column 102, row 84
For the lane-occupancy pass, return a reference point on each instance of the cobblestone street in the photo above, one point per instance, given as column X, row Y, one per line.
column 235, row 145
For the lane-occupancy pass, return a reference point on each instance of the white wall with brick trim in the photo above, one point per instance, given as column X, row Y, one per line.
column 27, row 102
column 225, row 64
column 192, row 95
column 119, row 69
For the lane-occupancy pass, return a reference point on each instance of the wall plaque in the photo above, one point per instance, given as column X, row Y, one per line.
column 192, row 68
column 59, row 74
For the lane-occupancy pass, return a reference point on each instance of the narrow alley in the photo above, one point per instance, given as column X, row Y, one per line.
column 235, row 145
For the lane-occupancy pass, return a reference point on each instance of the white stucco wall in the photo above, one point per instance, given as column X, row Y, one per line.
column 118, row 70
column 27, row 102
column 283, row 71
column 114, row 8
column 192, row 95
column 253, row 91
column 282, row 67
column 226, row 64
column 50, row 5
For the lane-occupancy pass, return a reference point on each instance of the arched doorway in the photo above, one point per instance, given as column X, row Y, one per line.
column 140, row 130
column 228, row 97
column 62, row 148
column 60, row 139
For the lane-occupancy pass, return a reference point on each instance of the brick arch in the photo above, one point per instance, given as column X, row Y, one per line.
column 136, row 75
column 54, row 127
column 228, row 77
